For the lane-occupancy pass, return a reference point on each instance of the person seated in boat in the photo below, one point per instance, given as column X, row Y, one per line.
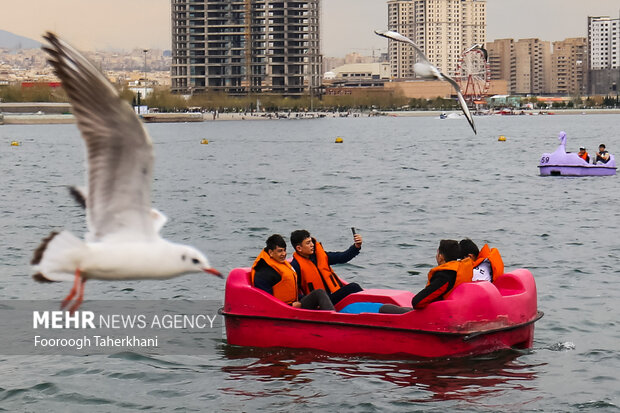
column 449, row 273
column 488, row 263
column 272, row 273
column 602, row 155
column 313, row 264
column 583, row 154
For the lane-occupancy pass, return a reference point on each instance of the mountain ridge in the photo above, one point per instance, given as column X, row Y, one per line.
column 13, row 41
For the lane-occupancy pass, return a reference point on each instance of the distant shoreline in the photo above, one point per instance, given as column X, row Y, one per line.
column 50, row 119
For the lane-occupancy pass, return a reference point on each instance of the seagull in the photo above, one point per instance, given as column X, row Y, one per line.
column 123, row 241
column 426, row 70
column 481, row 48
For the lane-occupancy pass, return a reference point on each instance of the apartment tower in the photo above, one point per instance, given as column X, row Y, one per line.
column 533, row 66
column 443, row 29
column 569, row 67
column 502, row 61
column 604, row 54
column 245, row 46
column 603, row 40
column 525, row 64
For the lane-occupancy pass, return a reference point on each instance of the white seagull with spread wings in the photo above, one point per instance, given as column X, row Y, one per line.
column 123, row 240
column 426, row 70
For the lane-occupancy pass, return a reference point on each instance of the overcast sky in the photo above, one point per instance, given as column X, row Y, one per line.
column 347, row 25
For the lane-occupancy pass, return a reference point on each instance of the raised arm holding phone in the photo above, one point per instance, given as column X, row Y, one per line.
column 313, row 265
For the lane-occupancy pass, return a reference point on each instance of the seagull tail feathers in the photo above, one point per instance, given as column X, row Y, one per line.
column 55, row 257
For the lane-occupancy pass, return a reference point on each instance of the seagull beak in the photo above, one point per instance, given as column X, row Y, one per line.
column 214, row 272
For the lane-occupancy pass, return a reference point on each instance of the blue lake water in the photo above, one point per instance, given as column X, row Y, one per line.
column 404, row 183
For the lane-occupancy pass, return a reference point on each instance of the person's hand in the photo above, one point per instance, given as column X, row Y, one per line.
column 296, row 304
column 357, row 241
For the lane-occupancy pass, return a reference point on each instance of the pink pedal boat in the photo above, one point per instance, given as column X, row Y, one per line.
column 477, row 318
column 562, row 163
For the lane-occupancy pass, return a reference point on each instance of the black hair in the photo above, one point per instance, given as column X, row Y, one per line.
column 450, row 250
column 275, row 241
column 298, row 236
column 603, row 145
column 467, row 247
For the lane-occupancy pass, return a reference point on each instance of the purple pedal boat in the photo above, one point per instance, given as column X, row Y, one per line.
column 562, row 163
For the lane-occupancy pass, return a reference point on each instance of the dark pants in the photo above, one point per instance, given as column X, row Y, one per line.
column 394, row 309
column 317, row 300
column 344, row 291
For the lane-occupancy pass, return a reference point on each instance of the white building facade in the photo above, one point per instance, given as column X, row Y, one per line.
column 603, row 42
column 604, row 55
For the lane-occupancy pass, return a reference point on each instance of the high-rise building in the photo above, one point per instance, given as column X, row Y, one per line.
column 604, row 54
column 525, row 64
column 474, row 23
column 502, row 61
column 441, row 28
column 569, row 67
column 533, row 66
column 603, row 41
column 245, row 46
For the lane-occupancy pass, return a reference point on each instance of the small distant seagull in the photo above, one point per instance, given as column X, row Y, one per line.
column 123, row 240
column 481, row 48
column 426, row 70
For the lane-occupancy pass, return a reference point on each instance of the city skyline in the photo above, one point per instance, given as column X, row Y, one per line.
column 130, row 24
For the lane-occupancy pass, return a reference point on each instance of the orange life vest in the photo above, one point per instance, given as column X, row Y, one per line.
column 286, row 289
column 464, row 272
column 584, row 156
column 319, row 276
column 492, row 254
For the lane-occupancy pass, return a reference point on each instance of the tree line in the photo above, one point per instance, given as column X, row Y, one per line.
column 165, row 101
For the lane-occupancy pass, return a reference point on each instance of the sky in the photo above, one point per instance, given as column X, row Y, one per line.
column 347, row 25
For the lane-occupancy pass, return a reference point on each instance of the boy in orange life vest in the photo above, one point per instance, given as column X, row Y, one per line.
column 274, row 275
column 441, row 280
column 488, row 263
column 583, row 154
column 313, row 265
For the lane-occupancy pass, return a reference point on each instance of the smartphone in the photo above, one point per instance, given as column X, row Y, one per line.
column 353, row 231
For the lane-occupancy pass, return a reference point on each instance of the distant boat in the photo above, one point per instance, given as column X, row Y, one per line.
column 562, row 163
column 452, row 115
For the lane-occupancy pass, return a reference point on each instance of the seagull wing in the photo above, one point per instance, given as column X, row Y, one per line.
column 481, row 48
column 400, row 38
column 120, row 152
column 462, row 102
column 80, row 196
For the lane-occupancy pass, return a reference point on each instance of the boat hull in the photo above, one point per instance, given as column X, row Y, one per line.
column 477, row 318
column 574, row 170
column 354, row 339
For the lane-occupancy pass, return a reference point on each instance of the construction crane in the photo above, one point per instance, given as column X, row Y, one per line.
column 373, row 49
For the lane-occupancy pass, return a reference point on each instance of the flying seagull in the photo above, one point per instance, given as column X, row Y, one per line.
column 426, row 70
column 481, row 48
column 123, row 241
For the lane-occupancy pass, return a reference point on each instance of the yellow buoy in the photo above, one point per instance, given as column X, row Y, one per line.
column 339, row 140
column 15, row 143
column 204, row 141
column 501, row 138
